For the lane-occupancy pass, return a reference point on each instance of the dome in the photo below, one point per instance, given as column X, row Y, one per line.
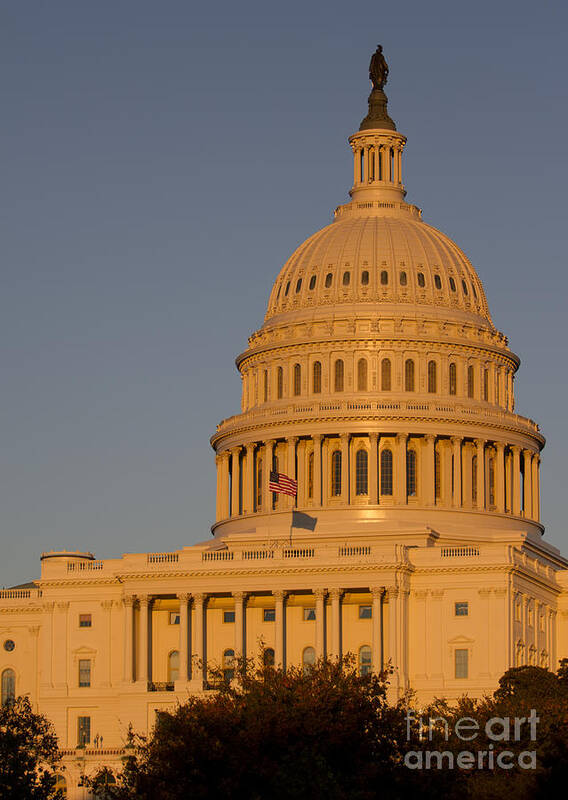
column 383, row 257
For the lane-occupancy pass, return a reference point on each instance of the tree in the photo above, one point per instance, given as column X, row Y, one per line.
column 28, row 753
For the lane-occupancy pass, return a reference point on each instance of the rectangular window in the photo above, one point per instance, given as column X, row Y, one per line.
column 461, row 609
column 174, row 617
column 85, row 620
column 461, row 663
column 309, row 614
column 84, row 672
column 269, row 614
column 228, row 616
column 365, row 612
column 83, row 731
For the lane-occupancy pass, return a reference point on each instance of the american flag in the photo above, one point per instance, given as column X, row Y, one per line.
column 283, row 484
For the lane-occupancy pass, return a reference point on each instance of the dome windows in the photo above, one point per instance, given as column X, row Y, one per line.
column 365, row 278
column 362, row 375
column 316, row 377
column 464, row 287
column 297, row 380
column 279, row 383
column 411, row 473
column 470, row 381
column 452, row 285
column 432, row 377
column 328, row 280
column 474, row 291
column 453, row 379
column 312, row 282
column 346, row 278
column 409, row 375
column 338, row 375
column 384, row 278
column 298, row 285
column 336, row 473
column 437, row 282
column 386, row 472
column 403, row 278
column 361, row 472
column 287, row 289
column 386, row 375
column 421, row 280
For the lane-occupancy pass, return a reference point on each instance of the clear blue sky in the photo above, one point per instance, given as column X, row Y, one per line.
column 161, row 160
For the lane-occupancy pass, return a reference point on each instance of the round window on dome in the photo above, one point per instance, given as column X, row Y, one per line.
column 384, row 278
column 403, row 279
column 437, row 282
column 9, row 645
column 365, row 278
column 287, row 289
column 313, row 282
column 328, row 280
column 298, row 285
column 452, row 285
column 346, row 278
column 464, row 287
column 421, row 281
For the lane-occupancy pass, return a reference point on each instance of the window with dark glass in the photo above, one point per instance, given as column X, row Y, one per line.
column 228, row 616
column 421, row 280
column 474, row 479
column 452, row 285
column 432, row 378
column 409, row 375
column 386, row 472
column 84, row 672
column 365, row 612
column 365, row 277
column 328, row 280
column 464, row 287
column 339, row 375
column 309, row 614
column 298, row 285
column 403, row 278
column 386, row 375
column 470, row 381
column 174, row 617
column 265, row 394
column 437, row 282
column 311, row 476
column 346, row 278
column 83, row 731
column 297, row 379
column 461, row 609
column 461, row 664
column 365, row 660
column 453, row 379
column 279, row 383
column 316, row 377
column 491, row 482
column 313, row 282
column 8, row 686
column 361, row 472
column 269, row 615
column 411, row 473
column 437, row 476
column 384, row 278
column 287, row 289
column 85, row 620
column 486, row 384
column 336, row 473
column 362, row 375
column 228, row 665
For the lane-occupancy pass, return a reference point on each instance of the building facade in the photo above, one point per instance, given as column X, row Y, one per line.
column 379, row 381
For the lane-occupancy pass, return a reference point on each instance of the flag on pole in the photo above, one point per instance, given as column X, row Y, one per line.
column 282, row 484
column 301, row 520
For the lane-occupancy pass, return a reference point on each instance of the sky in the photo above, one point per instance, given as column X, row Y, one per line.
column 159, row 163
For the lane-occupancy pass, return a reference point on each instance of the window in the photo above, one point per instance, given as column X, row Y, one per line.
column 486, row 384
column 432, row 382
column 453, row 379
column 328, row 280
column 298, row 285
column 311, row 475
column 437, row 282
column 473, row 289
column 84, row 672
column 308, row 658
column 361, row 472
column 365, row 660
column 268, row 657
column 173, row 666
column 461, row 609
column 313, row 282
column 259, row 483
column 309, row 614
column 464, row 287
column 8, row 686
column 268, row 614
column 452, row 285
column 279, row 383
column 386, row 375
column 278, row 292
column 61, row 785
column 297, row 379
column 336, row 473
column 386, row 472
column 421, row 281
column 362, row 375
column 409, row 375
column 338, row 385
column 316, row 377
column 403, row 279
column 174, row 617
column 83, row 731
column 474, row 479
column 470, row 381
column 287, row 289
column 491, row 482
column 365, row 278
column 265, row 387
column 228, row 616
column 85, row 620
column 437, row 476
column 346, row 278
column 9, row 645
column 384, row 278
column 461, row 663
column 365, row 612
column 411, row 473
column 229, row 665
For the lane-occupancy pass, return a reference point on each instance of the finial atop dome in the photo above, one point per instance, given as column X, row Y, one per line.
column 378, row 75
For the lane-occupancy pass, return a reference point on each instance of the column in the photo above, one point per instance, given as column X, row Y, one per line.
column 396, row 163
column 516, row 479
column 344, row 439
column 235, row 481
column 223, row 499
column 128, row 636
column 335, row 595
column 46, row 647
column 279, row 628
column 535, row 488
column 457, row 481
column 320, row 622
column 480, row 453
column 198, row 655
column 373, row 470
column 356, row 163
column 500, row 477
column 508, row 482
column 184, row 599
column 248, row 499
column 291, row 469
column 393, row 593
column 377, row 633
column 527, row 459
column 317, row 439
column 60, row 639
column 400, row 469
column 366, row 164
column 385, row 155
column 428, row 486
column 106, row 606
column 240, row 650
column 266, row 470
column 143, row 654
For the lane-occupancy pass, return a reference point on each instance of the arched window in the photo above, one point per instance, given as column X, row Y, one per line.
column 453, row 379
column 287, row 289
column 229, row 665
column 464, row 287
column 470, row 381
column 452, row 285
column 297, row 379
column 384, row 278
column 268, row 657
column 386, row 472
column 308, row 659
column 386, row 375
column 265, row 385
column 8, row 686
column 403, row 278
column 61, row 785
column 421, row 280
column 361, row 472
column 311, row 475
column 491, row 486
column 437, row 282
column 437, row 475
column 279, row 383
column 339, row 374
column 474, row 479
column 173, row 666
column 346, row 278
column 362, row 375
column 365, row 660
column 411, row 473
column 432, row 378
column 486, row 384
column 474, row 291
column 336, row 473
column 409, row 375
column 259, row 483
column 497, row 392
column 328, row 280
column 365, row 277
column 313, row 282
column 298, row 285
column 316, row 377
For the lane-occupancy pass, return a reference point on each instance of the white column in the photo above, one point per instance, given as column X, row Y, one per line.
column 198, row 665
column 393, row 654
column 335, row 595
column 377, row 633
column 106, row 606
column 536, row 487
column 235, row 481
column 266, row 470
column 480, row 453
column 143, row 653
column 457, row 481
column 320, row 622
column 128, row 636
column 279, row 628
column 516, row 479
column 500, row 477
column 184, row 599
column 527, row 458
column 317, row 439
column 223, row 485
column 239, row 598
column 46, row 648
column 373, row 469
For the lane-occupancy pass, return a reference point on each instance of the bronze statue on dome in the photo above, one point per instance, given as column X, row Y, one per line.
column 378, row 69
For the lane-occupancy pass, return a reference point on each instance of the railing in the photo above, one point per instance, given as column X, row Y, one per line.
column 253, row 555
column 355, row 550
column 161, row 686
column 19, row 594
column 458, row 552
column 217, row 555
column 299, row 552
column 84, row 566
column 94, row 751
column 162, row 558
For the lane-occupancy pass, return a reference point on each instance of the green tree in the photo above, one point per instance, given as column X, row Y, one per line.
column 28, row 753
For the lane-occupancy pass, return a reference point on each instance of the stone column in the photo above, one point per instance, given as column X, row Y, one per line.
column 184, row 599
column 385, row 155
column 516, row 450
column 240, row 649
column 335, row 595
column 266, row 470
column 344, row 439
column 400, row 469
column 198, row 665
column 291, row 470
column 377, row 633
column 317, row 439
column 366, row 164
column 393, row 654
column 527, row 458
column 128, row 637
column 396, row 165
column 480, row 453
column 223, row 498
column 106, row 606
column 356, row 165
column 248, row 499
column 60, row 639
column 457, row 478
column 279, row 628
column 235, row 481
column 143, row 654
column 428, row 486
column 500, row 477
column 320, row 622
column 535, row 488
column 373, row 469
